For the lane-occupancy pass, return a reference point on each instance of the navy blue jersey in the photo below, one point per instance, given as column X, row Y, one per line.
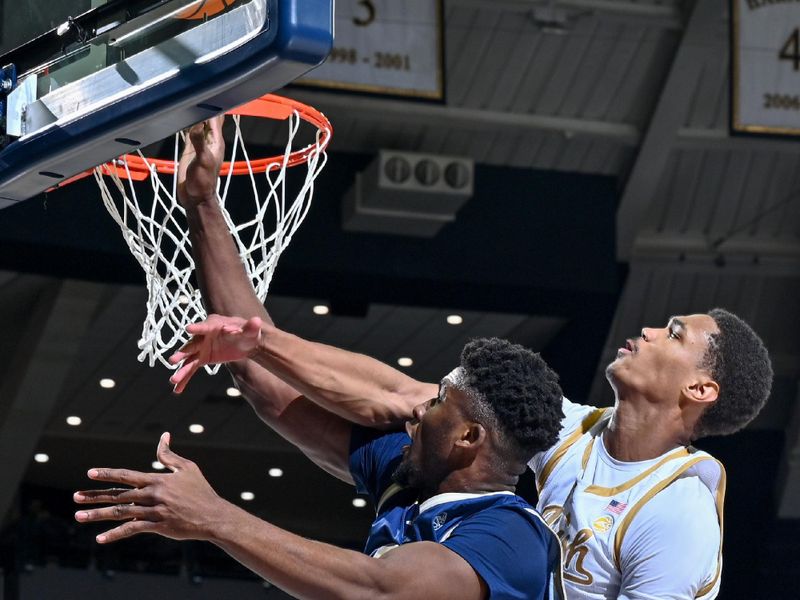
column 499, row 534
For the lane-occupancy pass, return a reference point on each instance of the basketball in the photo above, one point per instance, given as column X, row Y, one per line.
column 207, row 8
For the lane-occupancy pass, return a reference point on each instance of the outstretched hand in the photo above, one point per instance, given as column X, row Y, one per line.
column 198, row 168
column 216, row 340
column 180, row 505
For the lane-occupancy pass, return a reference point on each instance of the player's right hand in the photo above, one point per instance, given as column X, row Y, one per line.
column 216, row 340
column 199, row 165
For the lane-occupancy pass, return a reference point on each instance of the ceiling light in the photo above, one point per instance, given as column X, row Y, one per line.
column 405, row 361
column 275, row 472
column 233, row 392
column 196, row 428
column 359, row 502
column 158, row 466
column 107, row 383
column 321, row 309
column 247, row 496
column 74, row 421
column 41, row 457
column 455, row 319
column 183, row 300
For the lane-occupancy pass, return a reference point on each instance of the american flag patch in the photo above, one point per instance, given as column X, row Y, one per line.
column 616, row 507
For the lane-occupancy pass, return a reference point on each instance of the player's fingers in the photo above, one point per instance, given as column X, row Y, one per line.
column 200, row 329
column 125, row 530
column 183, row 375
column 180, row 355
column 187, row 154
column 252, row 328
column 123, row 476
column 167, row 457
column 197, row 135
column 110, row 496
column 192, row 344
column 217, row 121
column 118, row 512
column 213, row 131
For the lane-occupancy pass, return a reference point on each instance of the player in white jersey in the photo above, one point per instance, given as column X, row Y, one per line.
column 613, row 516
column 639, row 510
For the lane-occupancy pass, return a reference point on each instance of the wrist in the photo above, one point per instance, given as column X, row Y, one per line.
column 262, row 346
column 200, row 201
column 222, row 523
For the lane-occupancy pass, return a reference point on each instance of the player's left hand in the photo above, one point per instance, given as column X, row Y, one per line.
column 216, row 340
column 180, row 505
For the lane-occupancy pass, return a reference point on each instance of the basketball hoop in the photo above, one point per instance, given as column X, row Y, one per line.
column 156, row 234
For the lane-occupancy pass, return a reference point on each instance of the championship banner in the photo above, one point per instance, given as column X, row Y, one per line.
column 766, row 67
column 391, row 47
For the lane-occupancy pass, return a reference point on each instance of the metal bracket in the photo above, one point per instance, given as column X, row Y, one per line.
column 8, row 81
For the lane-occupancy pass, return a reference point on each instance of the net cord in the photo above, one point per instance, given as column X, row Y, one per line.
column 157, row 237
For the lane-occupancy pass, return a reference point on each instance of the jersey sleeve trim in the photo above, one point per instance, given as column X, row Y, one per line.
column 388, row 493
column 626, row 522
column 557, row 590
column 720, row 502
column 587, row 423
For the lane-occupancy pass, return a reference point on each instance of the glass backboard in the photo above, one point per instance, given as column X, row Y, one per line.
column 122, row 74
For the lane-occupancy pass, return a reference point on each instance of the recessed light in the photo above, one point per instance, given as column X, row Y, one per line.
column 233, row 392
column 359, row 502
column 405, row 361
column 41, row 457
column 275, row 472
column 247, row 496
column 455, row 319
column 321, row 309
column 107, row 383
column 74, row 421
column 158, row 466
column 196, row 428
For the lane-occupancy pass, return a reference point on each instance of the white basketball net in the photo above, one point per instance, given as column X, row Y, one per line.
column 156, row 235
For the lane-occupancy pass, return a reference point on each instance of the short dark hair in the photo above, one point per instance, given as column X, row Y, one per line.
column 739, row 362
column 520, row 390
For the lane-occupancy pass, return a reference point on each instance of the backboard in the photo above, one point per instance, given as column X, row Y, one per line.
column 126, row 73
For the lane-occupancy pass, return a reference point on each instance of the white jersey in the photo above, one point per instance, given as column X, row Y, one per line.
column 642, row 530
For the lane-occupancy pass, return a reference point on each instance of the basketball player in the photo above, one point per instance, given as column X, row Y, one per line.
column 450, row 526
column 639, row 511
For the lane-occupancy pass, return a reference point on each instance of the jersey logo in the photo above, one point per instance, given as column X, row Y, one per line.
column 603, row 524
column 439, row 520
column 616, row 507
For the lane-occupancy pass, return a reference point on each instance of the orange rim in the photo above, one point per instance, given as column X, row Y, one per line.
column 269, row 106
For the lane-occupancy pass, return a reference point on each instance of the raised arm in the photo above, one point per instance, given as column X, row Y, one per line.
column 353, row 386
column 182, row 505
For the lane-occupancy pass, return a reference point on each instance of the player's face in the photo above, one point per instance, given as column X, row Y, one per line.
column 660, row 362
column 433, row 431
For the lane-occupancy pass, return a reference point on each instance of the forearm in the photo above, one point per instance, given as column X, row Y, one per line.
column 321, row 435
column 224, row 284
column 303, row 568
column 354, row 386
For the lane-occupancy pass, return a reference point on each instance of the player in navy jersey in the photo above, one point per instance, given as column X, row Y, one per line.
column 448, row 523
